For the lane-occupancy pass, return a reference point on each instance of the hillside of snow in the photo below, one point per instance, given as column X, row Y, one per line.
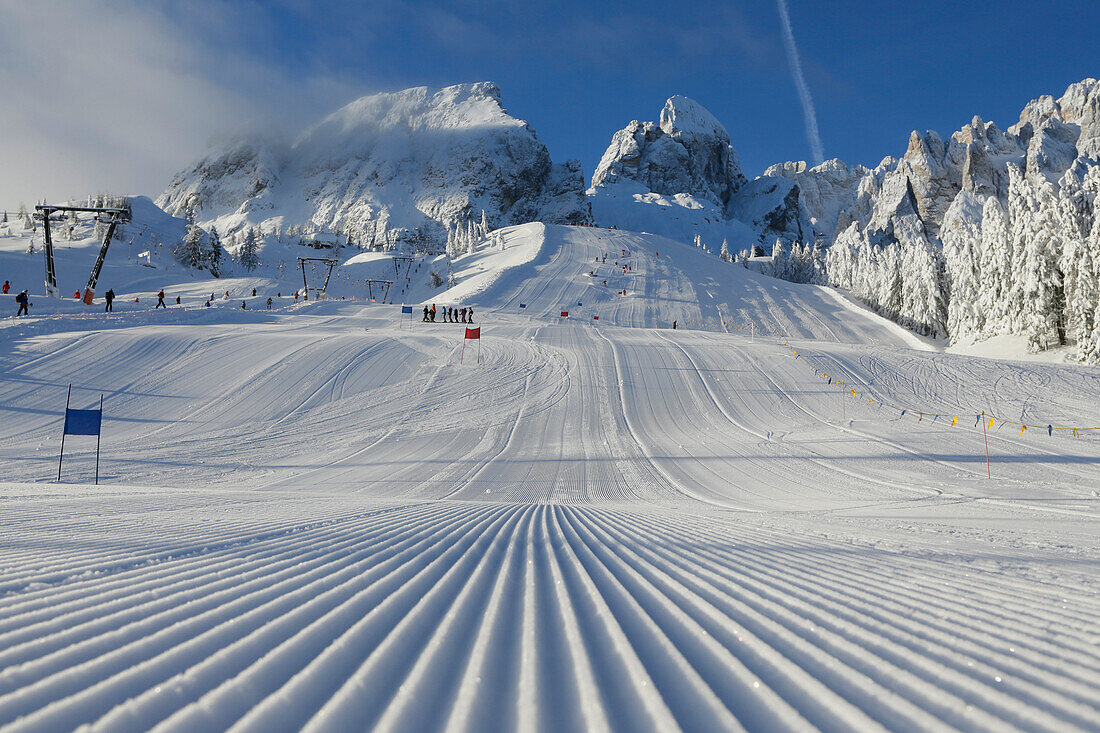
column 334, row 516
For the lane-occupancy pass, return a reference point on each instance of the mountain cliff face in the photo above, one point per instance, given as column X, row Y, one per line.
column 1049, row 137
column 688, row 152
column 388, row 170
column 988, row 233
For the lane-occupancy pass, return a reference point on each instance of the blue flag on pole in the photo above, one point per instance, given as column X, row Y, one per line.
column 522, row 305
column 83, row 422
column 406, row 309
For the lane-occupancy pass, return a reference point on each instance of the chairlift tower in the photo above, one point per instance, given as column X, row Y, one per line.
column 329, row 262
column 110, row 216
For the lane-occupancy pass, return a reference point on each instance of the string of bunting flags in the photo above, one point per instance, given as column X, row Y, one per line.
column 993, row 420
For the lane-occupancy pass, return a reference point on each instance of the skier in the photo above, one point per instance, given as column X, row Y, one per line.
column 253, row 292
column 425, row 314
column 178, row 301
column 462, row 314
column 7, row 286
column 674, row 325
column 226, row 295
column 109, row 296
column 24, row 303
column 470, row 315
column 295, row 296
column 208, row 304
column 160, row 301
column 243, row 306
column 432, row 313
column 269, row 302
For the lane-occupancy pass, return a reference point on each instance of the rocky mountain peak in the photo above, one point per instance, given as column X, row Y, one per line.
column 688, row 152
column 389, row 168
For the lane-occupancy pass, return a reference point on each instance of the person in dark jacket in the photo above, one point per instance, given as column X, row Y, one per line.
column 425, row 314
column 109, row 296
column 7, row 285
column 24, row 303
column 160, row 301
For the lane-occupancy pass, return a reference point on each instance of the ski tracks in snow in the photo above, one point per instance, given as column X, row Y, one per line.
column 470, row 616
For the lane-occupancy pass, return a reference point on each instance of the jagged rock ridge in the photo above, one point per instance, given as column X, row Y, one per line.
column 387, row 170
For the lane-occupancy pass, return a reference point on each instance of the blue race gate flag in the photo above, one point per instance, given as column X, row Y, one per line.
column 406, row 309
column 83, row 422
column 522, row 305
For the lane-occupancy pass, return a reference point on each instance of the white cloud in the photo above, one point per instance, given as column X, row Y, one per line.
column 100, row 95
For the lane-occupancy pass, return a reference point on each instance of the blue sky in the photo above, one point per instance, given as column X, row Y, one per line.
column 139, row 87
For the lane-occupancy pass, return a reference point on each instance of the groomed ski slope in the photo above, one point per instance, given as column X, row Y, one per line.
column 318, row 518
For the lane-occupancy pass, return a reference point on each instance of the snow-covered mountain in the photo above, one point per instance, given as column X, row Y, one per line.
column 681, row 177
column 403, row 167
column 676, row 177
column 988, row 233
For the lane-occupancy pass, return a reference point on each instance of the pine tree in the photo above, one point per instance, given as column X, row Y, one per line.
column 215, row 253
column 779, row 260
column 5, row 219
column 24, row 216
column 1040, row 282
column 189, row 251
column 724, row 254
column 484, row 230
column 248, row 252
column 890, row 292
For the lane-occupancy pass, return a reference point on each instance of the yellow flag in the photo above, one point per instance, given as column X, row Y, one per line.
column 991, row 422
column 853, row 393
column 954, row 420
column 1022, row 429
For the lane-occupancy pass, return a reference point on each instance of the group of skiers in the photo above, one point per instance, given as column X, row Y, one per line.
column 23, row 300
column 450, row 315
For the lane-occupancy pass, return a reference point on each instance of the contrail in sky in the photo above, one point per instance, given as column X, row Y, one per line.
column 812, row 135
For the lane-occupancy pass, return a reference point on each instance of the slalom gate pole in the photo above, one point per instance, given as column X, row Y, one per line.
column 463, row 351
column 98, row 438
column 985, row 435
column 62, row 454
column 844, row 404
column 479, row 348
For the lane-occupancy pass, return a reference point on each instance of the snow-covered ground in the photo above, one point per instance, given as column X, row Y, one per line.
column 317, row 517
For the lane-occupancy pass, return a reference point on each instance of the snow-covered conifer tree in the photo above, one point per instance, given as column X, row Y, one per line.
column 189, row 250
column 215, row 253
column 995, row 266
column 1041, row 281
column 779, row 260
column 724, row 253
column 248, row 253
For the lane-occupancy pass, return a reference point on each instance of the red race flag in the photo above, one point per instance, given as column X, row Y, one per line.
column 595, row 318
column 473, row 333
column 565, row 314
